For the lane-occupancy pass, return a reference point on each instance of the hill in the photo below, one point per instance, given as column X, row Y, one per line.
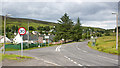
column 22, row 22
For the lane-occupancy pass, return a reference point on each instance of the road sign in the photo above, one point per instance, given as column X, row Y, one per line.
column 44, row 41
column 22, row 31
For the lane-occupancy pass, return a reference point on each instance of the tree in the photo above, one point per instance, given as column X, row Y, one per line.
column 63, row 29
column 77, row 31
column 31, row 28
column 47, row 28
column 8, row 29
column 14, row 28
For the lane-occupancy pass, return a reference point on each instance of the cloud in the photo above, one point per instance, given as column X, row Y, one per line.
column 94, row 12
column 100, row 24
column 60, row 0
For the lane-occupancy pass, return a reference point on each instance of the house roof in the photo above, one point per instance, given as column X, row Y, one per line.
column 31, row 37
column 1, row 37
column 35, row 37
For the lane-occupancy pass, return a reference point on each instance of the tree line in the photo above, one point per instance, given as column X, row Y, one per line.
column 68, row 30
column 10, row 30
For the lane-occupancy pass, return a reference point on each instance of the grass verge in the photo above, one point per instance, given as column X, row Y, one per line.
column 14, row 57
column 105, row 44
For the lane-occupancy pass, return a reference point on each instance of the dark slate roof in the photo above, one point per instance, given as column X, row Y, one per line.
column 35, row 37
column 31, row 37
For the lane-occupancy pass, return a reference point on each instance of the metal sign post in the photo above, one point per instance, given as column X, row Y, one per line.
column 22, row 46
column 22, row 31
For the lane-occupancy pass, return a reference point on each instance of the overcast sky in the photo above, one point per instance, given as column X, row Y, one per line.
column 93, row 14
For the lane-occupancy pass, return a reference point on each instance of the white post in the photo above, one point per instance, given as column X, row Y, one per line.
column 116, row 31
column 87, row 34
column 22, row 46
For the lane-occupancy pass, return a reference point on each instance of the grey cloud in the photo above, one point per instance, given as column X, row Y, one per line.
column 51, row 11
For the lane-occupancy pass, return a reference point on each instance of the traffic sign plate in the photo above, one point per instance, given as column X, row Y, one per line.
column 22, row 31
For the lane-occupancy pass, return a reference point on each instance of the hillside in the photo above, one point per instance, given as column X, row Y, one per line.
column 22, row 22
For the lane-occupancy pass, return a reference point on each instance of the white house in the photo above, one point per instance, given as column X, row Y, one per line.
column 6, row 39
column 51, row 30
column 34, row 32
column 17, row 39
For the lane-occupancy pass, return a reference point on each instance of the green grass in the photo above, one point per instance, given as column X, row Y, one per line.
column 14, row 57
column 105, row 44
column 10, row 49
column 119, row 45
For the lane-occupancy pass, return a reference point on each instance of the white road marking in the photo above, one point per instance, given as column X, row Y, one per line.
column 73, row 61
column 47, row 61
column 81, row 49
column 84, row 51
column 88, row 65
column 58, row 48
column 80, row 65
column 65, row 56
column 51, row 63
column 107, row 58
column 69, row 58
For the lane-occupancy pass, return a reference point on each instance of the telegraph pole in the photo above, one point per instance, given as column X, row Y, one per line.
column 4, row 34
column 28, row 33
column 117, row 31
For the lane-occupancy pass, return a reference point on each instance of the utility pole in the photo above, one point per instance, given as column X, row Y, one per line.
column 28, row 33
column 87, row 34
column 4, row 34
column 116, row 29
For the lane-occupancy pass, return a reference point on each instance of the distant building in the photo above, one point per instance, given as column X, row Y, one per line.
column 34, row 32
column 51, row 30
column 6, row 39
column 17, row 39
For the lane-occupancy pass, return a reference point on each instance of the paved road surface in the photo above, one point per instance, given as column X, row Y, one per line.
column 73, row 54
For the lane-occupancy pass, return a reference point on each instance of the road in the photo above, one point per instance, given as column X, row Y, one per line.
column 73, row 54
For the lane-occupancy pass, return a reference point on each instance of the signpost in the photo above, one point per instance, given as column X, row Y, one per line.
column 47, row 37
column 93, row 40
column 63, row 40
column 44, row 41
column 22, row 31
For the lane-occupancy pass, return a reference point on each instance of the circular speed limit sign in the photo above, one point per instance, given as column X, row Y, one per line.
column 22, row 31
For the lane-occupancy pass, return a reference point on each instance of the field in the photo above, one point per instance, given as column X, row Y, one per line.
column 105, row 44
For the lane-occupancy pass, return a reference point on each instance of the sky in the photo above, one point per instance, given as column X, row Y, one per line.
column 91, row 14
